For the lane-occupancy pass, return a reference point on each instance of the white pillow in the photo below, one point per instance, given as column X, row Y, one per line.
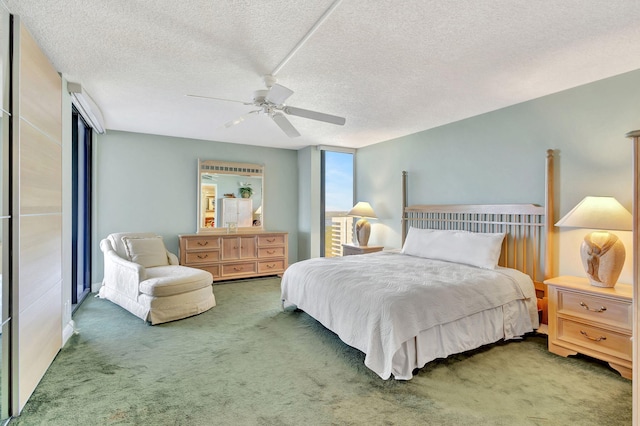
column 471, row 248
column 148, row 252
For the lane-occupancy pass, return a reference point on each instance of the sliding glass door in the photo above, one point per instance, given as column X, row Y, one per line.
column 81, row 201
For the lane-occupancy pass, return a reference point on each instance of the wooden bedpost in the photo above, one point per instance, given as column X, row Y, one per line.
column 549, row 197
column 635, row 136
column 549, row 231
column 404, row 205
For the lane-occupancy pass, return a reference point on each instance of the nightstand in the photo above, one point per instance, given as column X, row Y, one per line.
column 591, row 320
column 348, row 249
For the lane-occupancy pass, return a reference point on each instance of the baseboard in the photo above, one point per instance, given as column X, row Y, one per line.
column 68, row 331
column 95, row 287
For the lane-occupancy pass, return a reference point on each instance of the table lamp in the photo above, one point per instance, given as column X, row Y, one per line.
column 602, row 252
column 364, row 211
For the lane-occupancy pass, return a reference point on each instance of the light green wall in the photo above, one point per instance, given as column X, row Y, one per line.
column 499, row 157
column 148, row 183
column 309, row 203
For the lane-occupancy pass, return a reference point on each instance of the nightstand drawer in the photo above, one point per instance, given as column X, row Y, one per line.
column 614, row 312
column 594, row 338
column 595, row 321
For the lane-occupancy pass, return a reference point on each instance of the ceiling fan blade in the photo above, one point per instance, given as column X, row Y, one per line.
column 278, row 94
column 241, row 118
column 220, row 99
column 285, row 125
column 320, row 116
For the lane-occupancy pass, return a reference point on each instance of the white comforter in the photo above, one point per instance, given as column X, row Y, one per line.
column 378, row 301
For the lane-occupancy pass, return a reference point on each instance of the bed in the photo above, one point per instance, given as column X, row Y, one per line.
column 467, row 276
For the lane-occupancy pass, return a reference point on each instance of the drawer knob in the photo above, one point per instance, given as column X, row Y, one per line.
column 270, row 251
column 200, row 243
column 273, row 265
column 203, row 257
column 601, row 309
column 270, row 240
column 237, row 269
column 595, row 339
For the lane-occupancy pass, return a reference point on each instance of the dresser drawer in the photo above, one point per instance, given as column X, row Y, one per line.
column 594, row 338
column 614, row 312
column 270, row 240
column 197, row 257
column 270, row 252
column 201, row 243
column 212, row 269
column 271, row 266
column 243, row 268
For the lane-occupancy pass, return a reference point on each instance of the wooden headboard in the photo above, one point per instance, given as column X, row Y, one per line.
column 528, row 229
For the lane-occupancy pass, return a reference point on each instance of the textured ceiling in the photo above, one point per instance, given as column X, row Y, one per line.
column 390, row 67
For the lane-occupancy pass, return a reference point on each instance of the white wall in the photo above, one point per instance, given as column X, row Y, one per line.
column 499, row 157
column 149, row 183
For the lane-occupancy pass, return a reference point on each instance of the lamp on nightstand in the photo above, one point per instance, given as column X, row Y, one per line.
column 602, row 252
column 364, row 211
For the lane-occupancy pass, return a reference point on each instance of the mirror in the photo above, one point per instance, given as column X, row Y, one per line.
column 230, row 196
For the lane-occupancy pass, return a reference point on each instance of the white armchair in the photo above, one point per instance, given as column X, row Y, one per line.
column 144, row 278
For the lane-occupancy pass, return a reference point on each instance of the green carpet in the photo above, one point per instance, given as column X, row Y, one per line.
column 246, row 362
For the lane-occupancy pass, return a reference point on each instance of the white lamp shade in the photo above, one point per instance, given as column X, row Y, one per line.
column 604, row 213
column 362, row 209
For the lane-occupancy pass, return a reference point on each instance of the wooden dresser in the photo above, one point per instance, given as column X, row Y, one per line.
column 236, row 255
column 591, row 320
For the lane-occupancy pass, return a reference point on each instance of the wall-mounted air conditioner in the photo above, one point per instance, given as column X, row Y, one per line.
column 86, row 106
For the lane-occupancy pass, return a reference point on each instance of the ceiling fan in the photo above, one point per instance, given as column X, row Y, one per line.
column 271, row 102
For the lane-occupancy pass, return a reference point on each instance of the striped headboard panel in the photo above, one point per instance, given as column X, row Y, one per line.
column 529, row 228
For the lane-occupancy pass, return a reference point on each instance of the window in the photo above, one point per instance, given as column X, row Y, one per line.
column 337, row 190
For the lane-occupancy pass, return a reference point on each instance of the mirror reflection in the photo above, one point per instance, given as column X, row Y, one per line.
column 230, row 196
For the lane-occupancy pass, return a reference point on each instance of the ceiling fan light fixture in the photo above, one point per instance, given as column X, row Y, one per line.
column 241, row 118
column 259, row 96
